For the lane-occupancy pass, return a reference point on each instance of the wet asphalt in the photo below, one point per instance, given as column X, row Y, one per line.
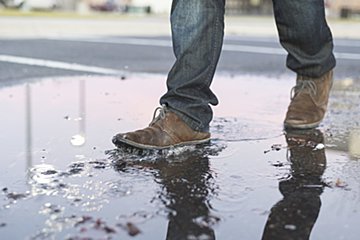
column 63, row 179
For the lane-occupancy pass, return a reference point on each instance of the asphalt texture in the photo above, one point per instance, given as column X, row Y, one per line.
column 145, row 55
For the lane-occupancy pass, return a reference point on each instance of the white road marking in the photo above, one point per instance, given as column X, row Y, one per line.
column 347, row 56
column 280, row 51
column 59, row 65
column 226, row 47
column 253, row 49
column 337, row 42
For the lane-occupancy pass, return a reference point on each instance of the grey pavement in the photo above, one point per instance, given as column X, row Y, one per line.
column 34, row 46
column 119, row 55
column 126, row 44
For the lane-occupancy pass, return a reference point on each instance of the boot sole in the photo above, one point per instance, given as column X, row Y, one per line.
column 301, row 126
column 130, row 143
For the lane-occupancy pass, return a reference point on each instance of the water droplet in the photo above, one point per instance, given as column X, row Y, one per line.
column 77, row 140
column 319, row 146
column 290, row 227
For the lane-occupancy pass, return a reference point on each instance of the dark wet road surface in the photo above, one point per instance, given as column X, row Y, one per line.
column 62, row 178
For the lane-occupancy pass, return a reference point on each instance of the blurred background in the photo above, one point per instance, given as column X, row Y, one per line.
column 334, row 8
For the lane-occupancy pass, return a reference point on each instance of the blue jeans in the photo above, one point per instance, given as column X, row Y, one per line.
column 197, row 34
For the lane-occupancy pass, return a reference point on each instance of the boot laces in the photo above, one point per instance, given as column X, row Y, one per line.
column 159, row 113
column 303, row 86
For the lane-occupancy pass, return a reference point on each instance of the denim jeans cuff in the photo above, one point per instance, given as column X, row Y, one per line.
column 312, row 74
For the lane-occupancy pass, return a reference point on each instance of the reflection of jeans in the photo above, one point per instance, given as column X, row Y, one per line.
column 187, row 187
column 197, row 31
column 295, row 215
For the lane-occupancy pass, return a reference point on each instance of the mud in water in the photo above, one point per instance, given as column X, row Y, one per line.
column 63, row 179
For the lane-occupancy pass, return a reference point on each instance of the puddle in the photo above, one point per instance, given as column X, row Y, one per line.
column 62, row 178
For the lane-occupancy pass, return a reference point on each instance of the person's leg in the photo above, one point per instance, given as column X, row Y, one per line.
column 197, row 31
column 304, row 33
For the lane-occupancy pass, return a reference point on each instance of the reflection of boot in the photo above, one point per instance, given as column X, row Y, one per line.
column 307, row 154
column 294, row 216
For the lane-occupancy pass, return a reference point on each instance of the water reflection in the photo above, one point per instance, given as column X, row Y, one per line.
column 295, row 215
column 78, row 179
column 79, row 138
column 28, row 127
column 187, row 186
column 354, row 143
column 342, row 133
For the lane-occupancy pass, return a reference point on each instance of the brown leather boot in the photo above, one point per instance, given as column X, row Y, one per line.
column 165, row 131
column 308, row 102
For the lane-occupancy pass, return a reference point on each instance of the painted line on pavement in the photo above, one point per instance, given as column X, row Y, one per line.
column 347, row 56
column 337, row 42
column 59, row 65
column 226, row 47
column 280, row 51
column 253, row 49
